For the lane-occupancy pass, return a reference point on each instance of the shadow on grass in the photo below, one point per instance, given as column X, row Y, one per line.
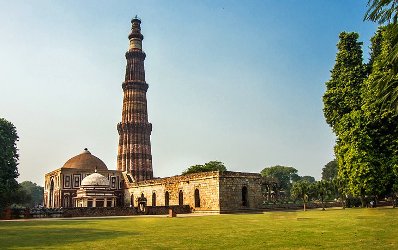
column 42, row 235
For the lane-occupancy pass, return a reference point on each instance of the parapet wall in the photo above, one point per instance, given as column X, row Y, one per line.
column 178, row 190
column 122, row 211
column 176, row 178
column 89, row 212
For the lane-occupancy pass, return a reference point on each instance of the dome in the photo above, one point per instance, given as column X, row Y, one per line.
column 85, row 160
column 95, row 179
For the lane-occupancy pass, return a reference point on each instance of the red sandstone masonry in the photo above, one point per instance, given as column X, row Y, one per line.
column 134, row 151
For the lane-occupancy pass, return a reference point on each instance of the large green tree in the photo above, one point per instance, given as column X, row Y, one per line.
column 34, row 194
column 8, row 163
column 282, row 174
column 381, row 128
column 367, row 133
column 207, row 167
column 342, row 110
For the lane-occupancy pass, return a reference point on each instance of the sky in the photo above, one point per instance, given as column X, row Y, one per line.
column 240, row 82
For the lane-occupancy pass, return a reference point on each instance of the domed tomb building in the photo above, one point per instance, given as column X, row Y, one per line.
column 62, row 184
column 94, row 191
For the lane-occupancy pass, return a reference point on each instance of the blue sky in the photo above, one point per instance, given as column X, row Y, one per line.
column 236, row 81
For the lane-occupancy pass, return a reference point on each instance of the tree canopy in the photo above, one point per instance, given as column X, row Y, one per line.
column 329, row 172
column 343, row 89
column 300, row 190
column 307, row 178
column 382, row 11
column 385, row 12
column 321, row 189
column 8, row 163
column 207, row 167
column 284, row 175
column 34, row 194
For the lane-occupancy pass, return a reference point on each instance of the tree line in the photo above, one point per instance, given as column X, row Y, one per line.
column 282, row 184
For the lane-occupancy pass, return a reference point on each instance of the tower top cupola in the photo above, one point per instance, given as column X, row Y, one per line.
column 135, row 35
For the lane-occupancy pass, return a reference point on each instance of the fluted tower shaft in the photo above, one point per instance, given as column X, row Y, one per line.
column 134, row 151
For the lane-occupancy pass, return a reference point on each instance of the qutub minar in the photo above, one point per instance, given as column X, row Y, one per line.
column 85, row 181
column 134, row 153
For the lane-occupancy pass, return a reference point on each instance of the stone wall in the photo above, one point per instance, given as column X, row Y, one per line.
column 217, row 191
column 122, row 211
column 240, row 191
column 98, row 211
column 205, row 183
column 27, row 213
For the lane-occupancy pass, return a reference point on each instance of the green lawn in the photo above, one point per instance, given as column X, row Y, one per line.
column 313, row 229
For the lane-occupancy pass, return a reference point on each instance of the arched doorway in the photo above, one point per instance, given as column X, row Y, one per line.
column 197, row 198
column 51, row 203
column 132, row 201
column 67, row 201
column 244, row 197
column 154, row 199
column 180, row 198
column 166, row 199
column 142, row 203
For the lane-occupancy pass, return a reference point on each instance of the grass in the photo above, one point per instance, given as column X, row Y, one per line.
column 313, row 229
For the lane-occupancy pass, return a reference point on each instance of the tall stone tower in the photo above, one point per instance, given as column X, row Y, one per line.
column 134, row 152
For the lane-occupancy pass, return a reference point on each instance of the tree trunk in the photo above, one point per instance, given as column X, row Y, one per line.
column 269, row 195
column 323, row 203
column 342, row 201
column 304, row 205
column 363, row 202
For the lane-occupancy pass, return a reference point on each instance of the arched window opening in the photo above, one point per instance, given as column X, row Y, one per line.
column 180, row 198
column 244, row 197
column 132, row 201
column 51, row 203
column 154, row 199
column 166, row 199
column 197, row 198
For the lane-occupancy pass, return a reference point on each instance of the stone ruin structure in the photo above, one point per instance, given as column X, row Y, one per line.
column 203, row 192
column 133, row 184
